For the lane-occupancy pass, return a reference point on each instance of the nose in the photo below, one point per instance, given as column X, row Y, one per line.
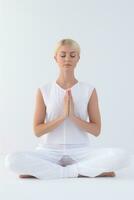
column 67, row 57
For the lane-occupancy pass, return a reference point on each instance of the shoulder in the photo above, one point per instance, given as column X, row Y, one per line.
column 45, row 85
column 45, row 88
column 87, row 85
column 89, row 89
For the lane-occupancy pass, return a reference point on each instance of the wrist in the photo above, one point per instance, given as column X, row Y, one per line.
column 62, row 118
column 72, row 116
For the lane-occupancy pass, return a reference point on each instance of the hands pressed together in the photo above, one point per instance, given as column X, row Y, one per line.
column 68, row 104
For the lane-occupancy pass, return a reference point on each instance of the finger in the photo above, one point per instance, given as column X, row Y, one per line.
column 69, row 92
column 71, row 98
column 66, row 92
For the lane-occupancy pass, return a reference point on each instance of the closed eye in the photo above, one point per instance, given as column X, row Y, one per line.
column 71, row 56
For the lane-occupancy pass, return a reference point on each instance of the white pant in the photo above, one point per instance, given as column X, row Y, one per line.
column 48, row 163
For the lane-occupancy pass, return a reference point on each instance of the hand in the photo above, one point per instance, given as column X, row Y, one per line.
column 71, row 104
column 66, row 105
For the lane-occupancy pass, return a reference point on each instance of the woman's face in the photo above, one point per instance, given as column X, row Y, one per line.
column 67, row 57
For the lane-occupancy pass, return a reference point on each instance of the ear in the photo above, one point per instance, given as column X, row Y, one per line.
column 55, row 58
column 78, row 58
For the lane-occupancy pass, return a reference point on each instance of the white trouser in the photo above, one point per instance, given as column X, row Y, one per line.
column 48, row 163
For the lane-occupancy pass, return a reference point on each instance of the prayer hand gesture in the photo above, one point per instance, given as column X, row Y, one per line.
column 68, row 104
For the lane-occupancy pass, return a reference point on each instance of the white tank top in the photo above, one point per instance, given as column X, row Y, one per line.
column 67, row 133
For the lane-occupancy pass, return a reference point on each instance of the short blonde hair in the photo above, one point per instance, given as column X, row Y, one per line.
column 67, row 41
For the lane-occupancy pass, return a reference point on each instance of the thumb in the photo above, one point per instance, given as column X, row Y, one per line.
column 69, row 92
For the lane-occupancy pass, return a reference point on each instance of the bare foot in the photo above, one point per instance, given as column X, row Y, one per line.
column 26, row 176
column 107, row 174
column 80, row 176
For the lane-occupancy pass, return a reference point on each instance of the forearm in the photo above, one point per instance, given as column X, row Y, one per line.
column 41, row 129
column 89, row 127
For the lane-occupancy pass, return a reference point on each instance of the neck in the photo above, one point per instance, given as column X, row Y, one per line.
column 66, row 79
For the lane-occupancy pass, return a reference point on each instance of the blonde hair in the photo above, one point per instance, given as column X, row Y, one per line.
column 67, row 41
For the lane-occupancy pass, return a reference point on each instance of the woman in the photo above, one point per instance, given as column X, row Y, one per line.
column 60, row 123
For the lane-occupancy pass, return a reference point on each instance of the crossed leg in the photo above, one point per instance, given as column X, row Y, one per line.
column 102, row 162
column 34, row 165
column 99, row 163
column 103, row 158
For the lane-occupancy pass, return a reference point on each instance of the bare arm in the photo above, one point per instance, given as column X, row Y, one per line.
column 39, row 125
column 94, row 126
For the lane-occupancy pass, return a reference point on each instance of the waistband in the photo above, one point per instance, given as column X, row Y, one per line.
column 64, row 146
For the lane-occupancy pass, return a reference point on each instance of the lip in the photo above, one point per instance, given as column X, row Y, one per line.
column 68, row 65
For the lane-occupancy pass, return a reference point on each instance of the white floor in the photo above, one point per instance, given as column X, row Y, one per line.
column 119, row 187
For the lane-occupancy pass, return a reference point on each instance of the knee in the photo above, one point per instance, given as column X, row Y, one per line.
column 120, row 154
column 11, row 160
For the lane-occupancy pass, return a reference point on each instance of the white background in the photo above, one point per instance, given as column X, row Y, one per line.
column 29, row 31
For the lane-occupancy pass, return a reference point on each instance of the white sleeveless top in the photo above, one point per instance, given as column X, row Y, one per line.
column 67, row 133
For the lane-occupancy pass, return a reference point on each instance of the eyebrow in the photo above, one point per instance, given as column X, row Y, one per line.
column 70, row 52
